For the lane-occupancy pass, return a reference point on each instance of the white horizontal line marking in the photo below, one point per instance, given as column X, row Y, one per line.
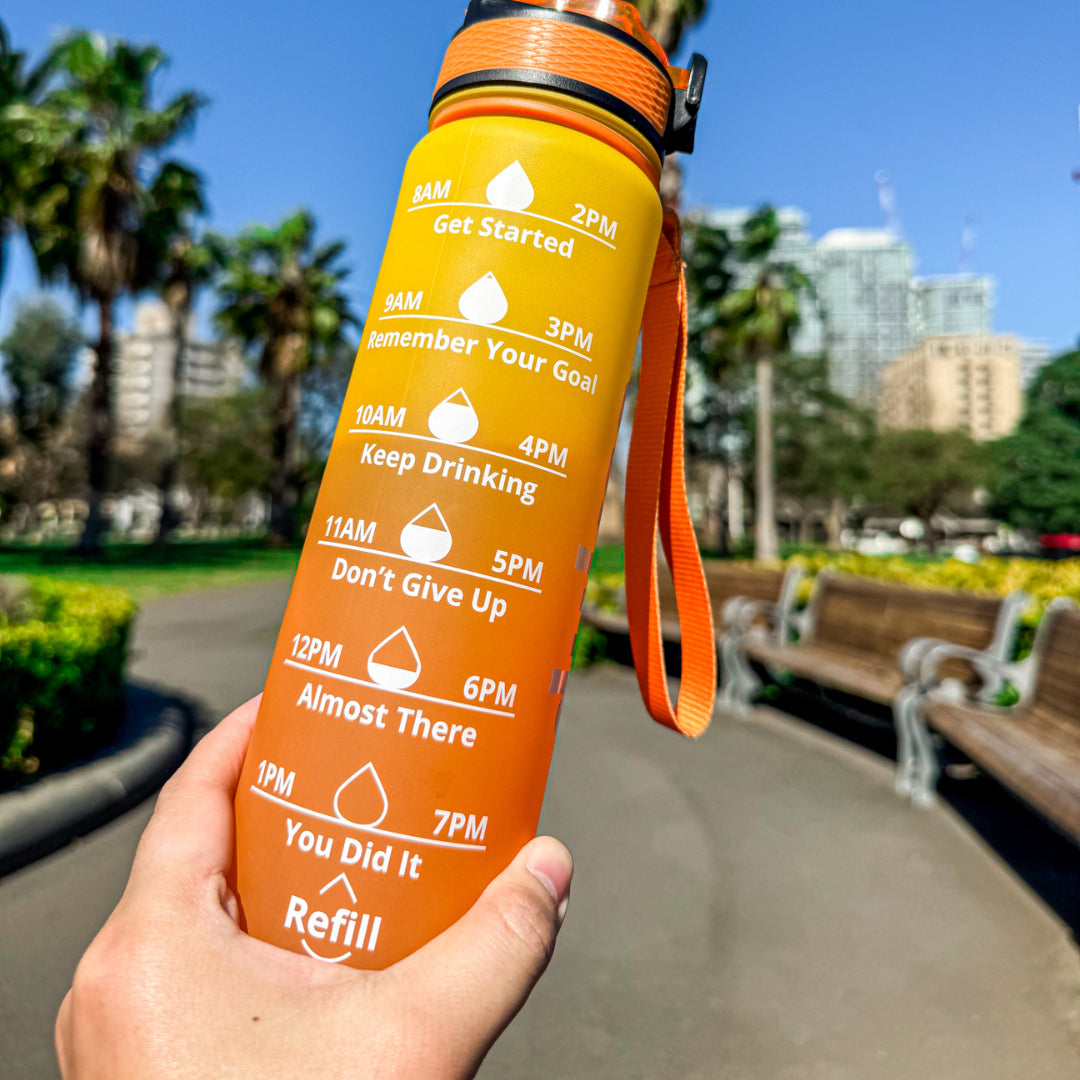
column 365, row 828
column 492, row 326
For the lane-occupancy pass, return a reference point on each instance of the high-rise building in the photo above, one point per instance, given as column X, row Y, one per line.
column 864, row 288
column 965, row 382
column 1034, row 356
column 143, row 371
column 794, row 245
column 951, row 304
column 865, row 308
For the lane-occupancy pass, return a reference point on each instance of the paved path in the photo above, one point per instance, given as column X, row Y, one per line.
column 754, row 906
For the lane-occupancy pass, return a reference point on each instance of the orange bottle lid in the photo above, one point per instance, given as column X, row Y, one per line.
column 593, row 50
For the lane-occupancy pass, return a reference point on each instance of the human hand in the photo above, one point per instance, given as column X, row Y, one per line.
column 171, row 987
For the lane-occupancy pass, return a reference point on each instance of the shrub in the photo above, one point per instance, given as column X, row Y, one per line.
column 590, row 646
column 62, row 653
column 1041, row 579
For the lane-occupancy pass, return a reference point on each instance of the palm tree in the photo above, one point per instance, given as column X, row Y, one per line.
column 107, row 138
column 667, row 20
column 23, row 163
column 281, row 297
column 761, row 319
column 180, row 265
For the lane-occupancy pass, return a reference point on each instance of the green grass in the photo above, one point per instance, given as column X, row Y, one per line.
column 146, row 571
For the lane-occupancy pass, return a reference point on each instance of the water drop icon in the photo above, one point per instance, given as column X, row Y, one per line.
column 454, row 420
column 483, row 301
column 394, row 662
column 427, row 537
column 362, row 800
column 511, row 189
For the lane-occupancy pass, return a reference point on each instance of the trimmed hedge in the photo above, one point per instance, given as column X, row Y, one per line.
column 62, row 652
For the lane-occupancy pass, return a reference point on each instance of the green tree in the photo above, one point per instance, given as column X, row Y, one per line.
column 322, row 394
column 281, row 297
column 39, row 352
column 24, row 163
column 226, row 444
column 41, row 444
column 668, row 20
column 717, row 391
column 923, row 472
column 108, row 139
column 824, row 443
column 1037, row 476
column 179, row 265
column 707, row 253
column 760, row 320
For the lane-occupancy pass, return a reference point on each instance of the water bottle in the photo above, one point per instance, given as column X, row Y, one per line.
column 404, row 738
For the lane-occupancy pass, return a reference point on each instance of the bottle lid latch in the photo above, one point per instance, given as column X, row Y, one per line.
column 685, row 103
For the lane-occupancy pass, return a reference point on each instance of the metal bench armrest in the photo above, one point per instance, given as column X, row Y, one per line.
column 991, row 669
column 740, row 612
column 912, row 654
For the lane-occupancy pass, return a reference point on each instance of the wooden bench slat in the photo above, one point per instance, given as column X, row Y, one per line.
column 862, row 674
column 858, row 615
column 871, row 616
column 725, row 580
column 1030, row 752
column 1058, row 687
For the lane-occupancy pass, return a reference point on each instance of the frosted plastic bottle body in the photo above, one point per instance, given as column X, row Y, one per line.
column 403, row 743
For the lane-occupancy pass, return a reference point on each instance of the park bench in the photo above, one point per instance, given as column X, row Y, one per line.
column 867, row 638
column 733, row 586
column 1032, row 747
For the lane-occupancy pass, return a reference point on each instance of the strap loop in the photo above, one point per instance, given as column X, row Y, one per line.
column 656, row 501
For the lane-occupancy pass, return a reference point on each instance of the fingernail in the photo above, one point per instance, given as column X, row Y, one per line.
column 550, row 863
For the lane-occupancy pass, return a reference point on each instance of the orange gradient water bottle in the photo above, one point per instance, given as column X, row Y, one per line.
column 403, row 742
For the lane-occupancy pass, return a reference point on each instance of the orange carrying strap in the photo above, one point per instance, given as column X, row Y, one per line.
column 656, row 502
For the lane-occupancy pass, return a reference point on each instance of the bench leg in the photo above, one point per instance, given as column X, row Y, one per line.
column 927, row 766
column 738, row 683
column 904, row 710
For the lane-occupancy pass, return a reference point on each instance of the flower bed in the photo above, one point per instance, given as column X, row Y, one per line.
column 62, row 652
column 1041, row 579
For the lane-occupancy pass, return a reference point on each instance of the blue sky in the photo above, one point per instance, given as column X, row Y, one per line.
column 971, row 107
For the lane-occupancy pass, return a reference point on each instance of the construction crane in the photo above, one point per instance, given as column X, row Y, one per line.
column 887, row 201
column 1076, row 172
column 969, row 238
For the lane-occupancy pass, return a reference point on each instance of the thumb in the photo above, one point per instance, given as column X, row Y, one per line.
column 473, row 978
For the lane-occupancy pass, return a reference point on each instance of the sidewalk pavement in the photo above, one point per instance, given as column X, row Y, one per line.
column 756, row 905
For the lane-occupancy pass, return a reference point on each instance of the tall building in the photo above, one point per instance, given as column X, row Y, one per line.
column 864, row 288
column 951, row 304
column 866, row 308
column 966, row 382
column 143, row 371
column 1034, row 356
column 794, row 245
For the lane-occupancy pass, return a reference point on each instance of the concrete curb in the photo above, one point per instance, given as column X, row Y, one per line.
column 41, row 818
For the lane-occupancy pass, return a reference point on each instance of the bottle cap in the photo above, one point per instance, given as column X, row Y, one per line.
column 595, row 50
